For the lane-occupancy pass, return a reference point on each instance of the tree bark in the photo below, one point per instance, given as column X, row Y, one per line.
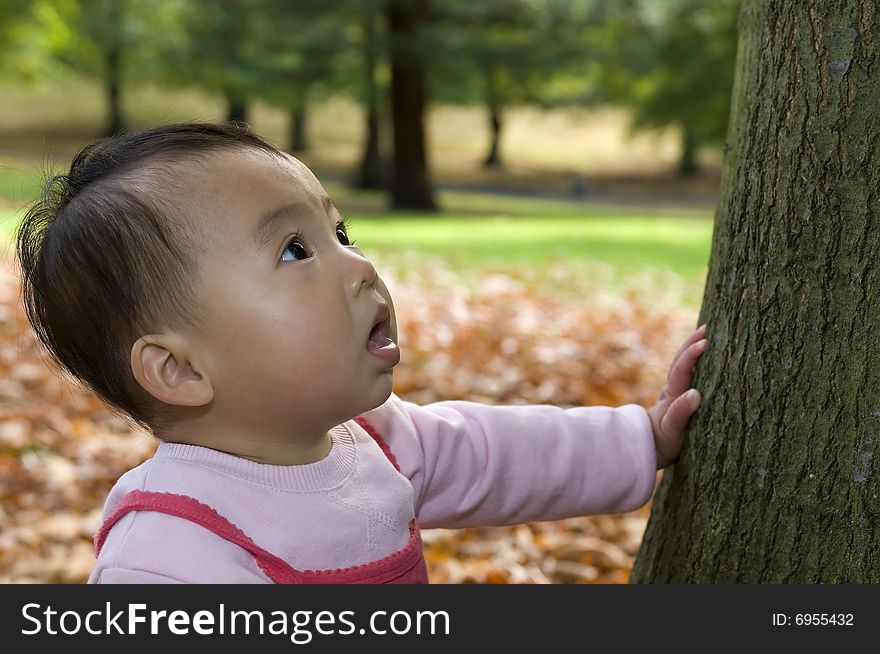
column 776, row 481
column 410, row 185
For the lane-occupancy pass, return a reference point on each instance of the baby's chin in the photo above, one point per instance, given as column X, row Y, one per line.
column 382, row 396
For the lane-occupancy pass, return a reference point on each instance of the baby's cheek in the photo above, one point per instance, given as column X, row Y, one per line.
column 387, row 295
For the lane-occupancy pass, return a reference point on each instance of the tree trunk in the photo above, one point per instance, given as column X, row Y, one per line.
column 493, row 159
column 410, row 187
column 370, row 172
column 299, row 141
column 776, row 481
column 115, row 122
column 236, row 108
column 688, row 164
column 112, row 49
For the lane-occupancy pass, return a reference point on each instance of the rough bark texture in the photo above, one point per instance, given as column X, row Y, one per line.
column 777, row 480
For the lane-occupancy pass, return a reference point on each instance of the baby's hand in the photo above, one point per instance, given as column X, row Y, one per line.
column 673, row 410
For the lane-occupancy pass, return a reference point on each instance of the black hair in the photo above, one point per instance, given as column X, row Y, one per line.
column 106, row 259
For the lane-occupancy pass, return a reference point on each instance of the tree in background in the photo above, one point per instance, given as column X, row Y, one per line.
column 301, row 44
column 317, row 49
column 776, row 480
column 485, row 50
column 91, row 38
column 218, row 51
column 410, row 183
column 22, row 51
column 372, row 44
column 671, row 63
column 666, row 61
column 114, row 41
column 510, row 53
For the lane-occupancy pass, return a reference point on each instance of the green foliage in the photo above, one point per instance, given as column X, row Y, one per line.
column 672, row 63
column 509, row 52
column 51, row 39
column 274, row 50
column 29, row 32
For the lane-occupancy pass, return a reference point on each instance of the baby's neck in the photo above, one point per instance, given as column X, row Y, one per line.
column 297, row 452
column 282, row 454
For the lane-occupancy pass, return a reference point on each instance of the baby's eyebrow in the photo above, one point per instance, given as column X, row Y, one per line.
column 268, row 223
column 328, row 204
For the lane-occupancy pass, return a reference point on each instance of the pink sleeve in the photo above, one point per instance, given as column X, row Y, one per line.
column 474, row 464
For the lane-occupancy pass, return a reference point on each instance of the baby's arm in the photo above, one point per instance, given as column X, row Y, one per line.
column 472, row 464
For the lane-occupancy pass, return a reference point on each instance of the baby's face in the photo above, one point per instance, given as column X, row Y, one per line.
column 291, row 304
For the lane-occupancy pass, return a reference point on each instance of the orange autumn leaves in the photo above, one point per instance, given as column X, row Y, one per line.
column 504, row 338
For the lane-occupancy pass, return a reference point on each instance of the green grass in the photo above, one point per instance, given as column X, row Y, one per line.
column 18, row 185
column 633, row 243
column 480, row 232
column 485, row 231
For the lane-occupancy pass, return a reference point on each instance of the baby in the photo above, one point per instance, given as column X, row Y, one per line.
column 202, row 283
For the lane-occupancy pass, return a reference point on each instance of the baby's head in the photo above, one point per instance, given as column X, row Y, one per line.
column 199, row 280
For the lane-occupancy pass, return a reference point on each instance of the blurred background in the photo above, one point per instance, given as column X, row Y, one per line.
column 534, row 179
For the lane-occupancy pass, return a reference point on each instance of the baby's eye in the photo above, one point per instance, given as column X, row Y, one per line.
column 342, row 234
column 297, row 247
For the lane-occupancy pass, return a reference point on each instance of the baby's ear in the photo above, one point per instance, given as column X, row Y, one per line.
column 163, row 366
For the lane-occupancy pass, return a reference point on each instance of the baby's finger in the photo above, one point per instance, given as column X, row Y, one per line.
column 694, row 336
column 682, row 372
column 676, row 418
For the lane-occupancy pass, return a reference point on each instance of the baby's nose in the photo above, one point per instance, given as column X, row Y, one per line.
column 363, row 273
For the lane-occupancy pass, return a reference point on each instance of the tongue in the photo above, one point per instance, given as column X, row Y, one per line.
column 378, row 339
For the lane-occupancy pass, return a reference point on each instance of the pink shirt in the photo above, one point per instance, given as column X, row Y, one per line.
column 462, row 464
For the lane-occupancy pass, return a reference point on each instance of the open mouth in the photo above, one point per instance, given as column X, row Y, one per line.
column 379, row 343
column 379, row 333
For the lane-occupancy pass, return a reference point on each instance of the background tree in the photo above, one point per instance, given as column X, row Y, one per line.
column 301, row 44
column 484, row 58
column 410, row 183
column 114, row 41
column 502, row 54
column 671, row 63
column 221, row 52
column 17, row 36
column 93, row 39
column 776, row 482
column 371, row 45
